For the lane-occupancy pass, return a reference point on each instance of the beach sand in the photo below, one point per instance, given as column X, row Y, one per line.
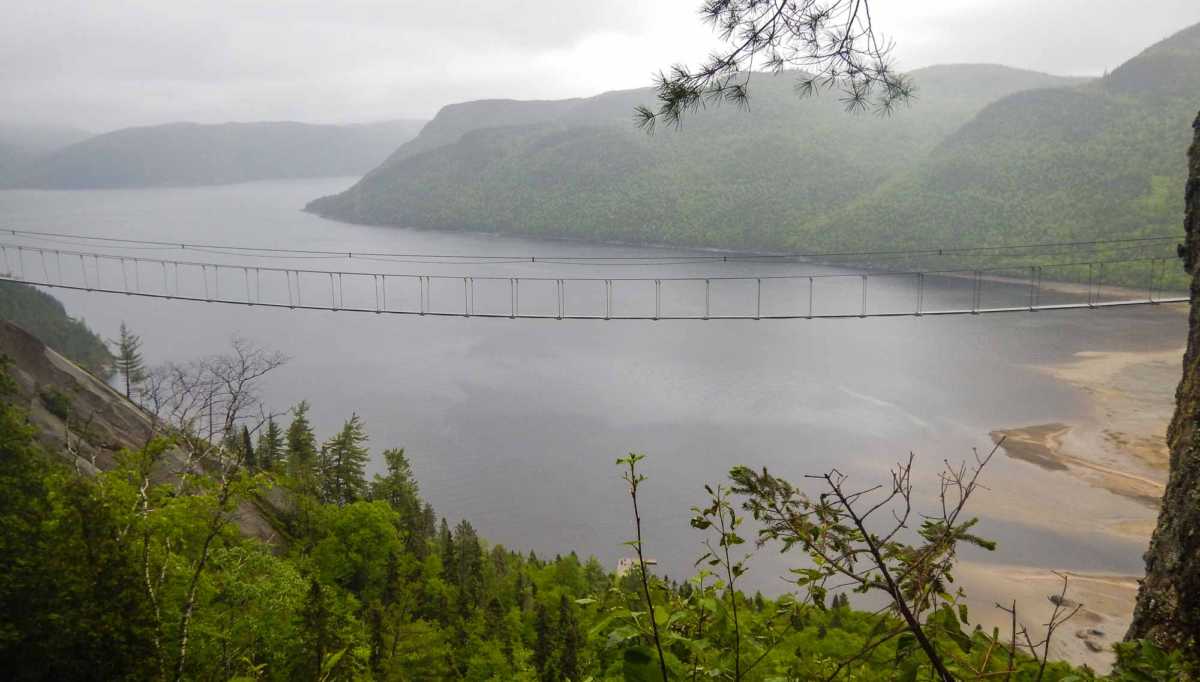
column 1101, row 475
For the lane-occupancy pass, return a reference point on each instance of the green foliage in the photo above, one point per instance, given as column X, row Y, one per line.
column 270, row 449
column 128, row 362
column 43, row 316
column 57, row 403
column 301, row 443
column 342, row 463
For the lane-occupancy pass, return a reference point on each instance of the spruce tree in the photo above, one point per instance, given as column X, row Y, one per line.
column 428, row 522
column 568, row 626
column 446, row 546
column 398, row 488
column 301, row 443
column 128, row 361
column 543, row 646
column 343, row 462
column 315, row 628
column 248, row 455
column 469, row 560
column 270, row 446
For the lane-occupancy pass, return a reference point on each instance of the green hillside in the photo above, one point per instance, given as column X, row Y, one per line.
column 730, row 178
column 1099, row 160
column 194, row 154
column 43, row 316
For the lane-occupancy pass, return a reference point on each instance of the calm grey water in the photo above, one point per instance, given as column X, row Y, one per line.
column 515, row 424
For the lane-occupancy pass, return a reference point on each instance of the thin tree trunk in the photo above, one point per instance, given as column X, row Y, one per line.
column 189, row 606
column 1168, row 603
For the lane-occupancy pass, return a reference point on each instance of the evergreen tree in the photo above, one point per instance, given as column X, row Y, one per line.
column 398, row 488
column 469, row 568
column 568, row 627
column 248, row 455
column 301, row 443
column 128, row 361
column 343, row 462
column 428, row 526
column 375, row 627
column 316, row 619
column 446, row 547
column 543, row 647
column 270, row 447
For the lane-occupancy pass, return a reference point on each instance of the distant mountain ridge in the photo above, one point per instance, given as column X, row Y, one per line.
column 730, row 178
column 200, row 154
column 21, row 145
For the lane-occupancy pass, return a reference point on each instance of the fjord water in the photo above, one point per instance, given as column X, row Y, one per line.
column 516, row 424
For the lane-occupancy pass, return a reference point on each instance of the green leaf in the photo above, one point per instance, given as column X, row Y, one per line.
column 908, row 670
column 639, row 664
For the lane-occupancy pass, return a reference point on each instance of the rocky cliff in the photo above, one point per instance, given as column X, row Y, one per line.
column 87, row 422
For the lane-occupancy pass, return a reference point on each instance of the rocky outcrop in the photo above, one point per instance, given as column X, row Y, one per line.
column 1168, row 605
column 87, row 422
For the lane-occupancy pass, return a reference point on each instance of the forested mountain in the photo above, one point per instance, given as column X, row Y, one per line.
column 195, row 154
column 730, row 178
column 1102, row 159
column 985, row 155
column 43, row 316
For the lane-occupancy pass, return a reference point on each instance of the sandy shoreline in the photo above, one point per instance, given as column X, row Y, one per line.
column 1102, row 475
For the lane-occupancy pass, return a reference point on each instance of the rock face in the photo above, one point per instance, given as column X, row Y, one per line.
column 1168, row 606
column 88, row 422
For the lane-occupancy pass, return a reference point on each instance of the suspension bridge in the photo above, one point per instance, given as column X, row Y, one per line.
column 819, row 293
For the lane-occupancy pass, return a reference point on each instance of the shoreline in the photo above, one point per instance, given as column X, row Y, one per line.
column 1102, row 475
column 1062, row 287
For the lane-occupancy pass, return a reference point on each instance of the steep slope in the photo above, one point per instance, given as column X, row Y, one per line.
column 193, row 154
column 44, row 316
column 1104, row 159
column 85, row 421
column 730, row 178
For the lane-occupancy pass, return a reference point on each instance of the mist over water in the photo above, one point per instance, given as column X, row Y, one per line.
column 516, row 424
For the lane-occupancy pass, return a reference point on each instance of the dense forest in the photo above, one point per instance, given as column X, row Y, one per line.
column 44, row 316
column 983, row 156
column 251, row 548
column 194, row 154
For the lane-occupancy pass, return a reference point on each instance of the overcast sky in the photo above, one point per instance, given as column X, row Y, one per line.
column 103, row 64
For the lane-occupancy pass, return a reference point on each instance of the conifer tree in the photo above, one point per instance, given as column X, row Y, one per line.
column 128, row 361
column 543, row 647
column 568, row 626
column 428, row 522
column 301, row 443
column 270, row 446
column 344, row 460
column 248, row 455
column 315, row 618
column 446, row 545
column 398, row 488
column 469, row 566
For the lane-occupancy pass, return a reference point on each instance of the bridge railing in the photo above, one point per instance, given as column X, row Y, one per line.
column 819, row 294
